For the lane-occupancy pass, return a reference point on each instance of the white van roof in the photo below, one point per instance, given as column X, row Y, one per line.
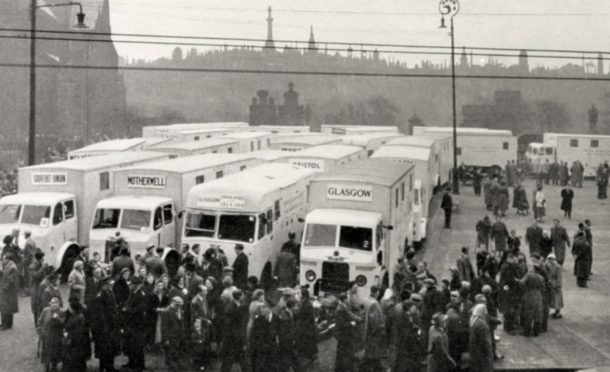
column 344, row 217
column 100, row 162
column 36, row 198
column 364, row 139
column 191, row 163
column 419, row 141
column 123, row 144
column 575, row 135
column 250, row 186
column 270, row 155
column 310, row 140
column 468, row 130
column 143, row 202
column 247, row 135
column 373, row 171
column 186, row 126
column 402, row 152
column 193, row 145
column 327, row 151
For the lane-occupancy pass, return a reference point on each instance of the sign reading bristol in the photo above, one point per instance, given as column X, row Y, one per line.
column 313, row 164
column 147, row 182
column 362, row 193
column 49, row 178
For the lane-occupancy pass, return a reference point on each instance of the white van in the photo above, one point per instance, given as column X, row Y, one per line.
column 300, row 142
column 359, row 222
column 479, row 147
column 257, row 208
column 72, row 188
column 424, row 185
column 325, row 158
column 208, row 146
column 162, row 130
column 251, row 141
column 369, row 141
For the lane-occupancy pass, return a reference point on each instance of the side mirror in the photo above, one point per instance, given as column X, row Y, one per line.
column 301, row 220
column 180, row 214
column 388, row 227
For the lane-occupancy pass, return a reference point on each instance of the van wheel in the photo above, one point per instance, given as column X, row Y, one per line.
column 68, row 262
column 266, row 275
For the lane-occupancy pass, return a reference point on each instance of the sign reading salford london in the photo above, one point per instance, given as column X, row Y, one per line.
column 147, row 182
column 313, row 164
column 49, row 178
column 363, row 193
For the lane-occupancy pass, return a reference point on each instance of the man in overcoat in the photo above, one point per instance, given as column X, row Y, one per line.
column 105, row 327
column 9, row 290
column 240, row 268
column 499, row 234
column 581, row 250
column 561, row 240
column 533, row 237
column 531, row 315
column 135, row 311
column 173, row 334
column 567, row 195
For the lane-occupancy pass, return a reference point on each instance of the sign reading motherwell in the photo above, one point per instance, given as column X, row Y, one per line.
column 49, row 178
column 362, row 193
column 147, row 182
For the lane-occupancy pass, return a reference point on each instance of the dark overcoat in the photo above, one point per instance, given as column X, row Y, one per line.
column 481, row 351
column 9, row 289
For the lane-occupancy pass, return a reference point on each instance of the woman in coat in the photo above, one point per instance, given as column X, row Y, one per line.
column 77, row 346
column 50, row 332
column 483, row 229
column 503, row 199
column 480, row 346
column 439, row 359
column 555, row 281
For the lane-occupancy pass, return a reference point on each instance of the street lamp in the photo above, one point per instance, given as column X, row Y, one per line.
column 80, row 18
column 450, row 8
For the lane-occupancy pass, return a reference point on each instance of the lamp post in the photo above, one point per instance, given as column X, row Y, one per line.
column 80, row 17
column 450, row 8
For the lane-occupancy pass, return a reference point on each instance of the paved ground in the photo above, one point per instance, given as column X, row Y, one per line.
column 580, row 339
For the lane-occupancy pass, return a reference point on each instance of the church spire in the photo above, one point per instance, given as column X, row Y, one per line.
column 102, row 23
column 311, row 45
column 269, row 43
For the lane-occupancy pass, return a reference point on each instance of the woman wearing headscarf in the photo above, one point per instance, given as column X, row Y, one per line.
column 439, row 359
column 480, row 347
column 50, row 331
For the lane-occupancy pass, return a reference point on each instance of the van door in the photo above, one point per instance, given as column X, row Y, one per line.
column 70, row 220
column 168, row 232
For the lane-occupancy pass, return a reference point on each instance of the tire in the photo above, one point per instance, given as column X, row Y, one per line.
column 68, row 261
column 266, row 275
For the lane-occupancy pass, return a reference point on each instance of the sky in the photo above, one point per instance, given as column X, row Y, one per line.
column 522, row 24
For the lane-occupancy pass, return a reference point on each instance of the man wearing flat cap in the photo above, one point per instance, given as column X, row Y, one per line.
column 555, row 281
column 105, row 327
column 439, row 359
column 173, row 323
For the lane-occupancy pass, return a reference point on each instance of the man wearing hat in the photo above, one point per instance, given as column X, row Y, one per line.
column 173, row 333
column 374, row 333
column 432, row 304
column 122, row 261
column 29, row 249
column 561, row 240
column 240, row 267
column 406, row 337
column 9, row 289
column 37, row 273
column 105, row 327
column 555, row 282
column 347, row 323
column 135, row 312
column 286, row 266
column 154, row 263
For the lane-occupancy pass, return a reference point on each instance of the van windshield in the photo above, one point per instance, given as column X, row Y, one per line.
column 9, row 213
column 135, row 219
column 320, row 235
column 36, row 215
column 237, row 227
column 106, row 218
column 356, row 238
column 200, row 224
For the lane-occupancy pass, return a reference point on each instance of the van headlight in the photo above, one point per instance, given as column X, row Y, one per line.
column 310, row 275
column 361, row 280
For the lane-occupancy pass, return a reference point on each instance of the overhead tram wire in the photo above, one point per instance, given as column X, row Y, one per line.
column 591, row 55
column 259, row 40
column 314, row 73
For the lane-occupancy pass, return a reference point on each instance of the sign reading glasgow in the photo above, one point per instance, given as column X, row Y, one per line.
column 147, row 182
column 363, row 193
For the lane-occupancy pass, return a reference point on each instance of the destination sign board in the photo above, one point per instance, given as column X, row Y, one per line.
column 313, row 164
column 361, row 193
column 147, row 182
column 49, row 178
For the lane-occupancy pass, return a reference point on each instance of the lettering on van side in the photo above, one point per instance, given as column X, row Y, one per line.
column 49, row 178
column 147, row 182
column 313, row 164
column 362, row 193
